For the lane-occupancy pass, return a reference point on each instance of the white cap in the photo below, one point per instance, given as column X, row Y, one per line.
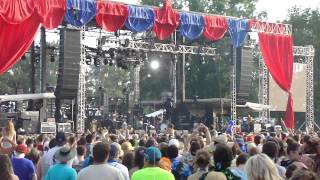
column 174, row 142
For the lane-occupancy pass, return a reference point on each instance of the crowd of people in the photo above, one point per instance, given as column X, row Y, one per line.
column 202, row 154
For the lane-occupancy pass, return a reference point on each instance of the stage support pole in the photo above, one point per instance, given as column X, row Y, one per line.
column 234, row 85
column 43, row 79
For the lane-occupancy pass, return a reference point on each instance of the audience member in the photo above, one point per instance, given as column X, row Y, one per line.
column 62, row 170
column 152, row 169
column 23, row 167
column 261, row 167
column 100, row 169
column 6, row 172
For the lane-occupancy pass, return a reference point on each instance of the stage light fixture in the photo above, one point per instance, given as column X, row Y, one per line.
column 105, row 61
column 203, row 61
column 88, row 59
column 111, row 62
column 96, row 62
column 52, row 59
column 154, row 64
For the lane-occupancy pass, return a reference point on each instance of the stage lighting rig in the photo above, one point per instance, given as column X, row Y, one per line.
column 143, row 55
column 88, row 59
column 203, row 61
column 111, row 62
column 52, row 59
column 96, row 62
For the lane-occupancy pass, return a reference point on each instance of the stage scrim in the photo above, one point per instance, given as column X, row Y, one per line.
column 278, row 98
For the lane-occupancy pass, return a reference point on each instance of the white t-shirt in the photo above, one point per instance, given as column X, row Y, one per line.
column 123, row 169
column 100, row 172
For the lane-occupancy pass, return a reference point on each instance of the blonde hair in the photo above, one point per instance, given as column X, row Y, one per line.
column 261, row 167
column 9, row 130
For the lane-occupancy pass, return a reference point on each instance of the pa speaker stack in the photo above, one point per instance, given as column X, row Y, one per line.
column 69, row 64
column 244, row 71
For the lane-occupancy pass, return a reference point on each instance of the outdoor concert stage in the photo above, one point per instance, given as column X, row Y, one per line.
column 276, row 51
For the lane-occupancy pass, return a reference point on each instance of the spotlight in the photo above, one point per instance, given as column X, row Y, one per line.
column 105, row 61
column 175, row 58
column 96, row 62
column 111, row 62
column 154, row 64
column 149, row 75
column 203, row 61
column 37, row 59
column 88, row 60
column 52, row 59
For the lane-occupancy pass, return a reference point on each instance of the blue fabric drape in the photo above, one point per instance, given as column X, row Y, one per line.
column 238, row 30
column 140, row 19
column 191, row 25
column 80, row 12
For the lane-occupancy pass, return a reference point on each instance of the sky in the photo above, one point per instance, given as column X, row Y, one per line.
column 278, row 9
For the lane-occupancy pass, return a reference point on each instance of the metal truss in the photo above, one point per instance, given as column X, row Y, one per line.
column 274, row 28
column 234, row 87
column 265, row 114
column 82, row 87
column 305, row 55
column 171, row 48
column 136, row 85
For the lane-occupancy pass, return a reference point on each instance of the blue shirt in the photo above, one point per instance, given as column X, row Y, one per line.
column 23, row 168
column 184, row 171
column 61, row 172
column 240, row 173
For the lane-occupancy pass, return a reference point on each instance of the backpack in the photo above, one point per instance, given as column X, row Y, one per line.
column 178, row 172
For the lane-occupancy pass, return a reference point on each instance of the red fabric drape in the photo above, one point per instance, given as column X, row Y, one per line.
column 215, row 27
column 20, row 21
column 111, row 16
column 277, row 52
column 166, row 21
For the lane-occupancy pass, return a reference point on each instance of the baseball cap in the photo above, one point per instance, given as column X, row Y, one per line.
column 174, row 142
column 152, row 154
column 21, row 148
column 61, row 138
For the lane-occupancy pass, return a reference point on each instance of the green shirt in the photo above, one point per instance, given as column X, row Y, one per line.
column 152, row 173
